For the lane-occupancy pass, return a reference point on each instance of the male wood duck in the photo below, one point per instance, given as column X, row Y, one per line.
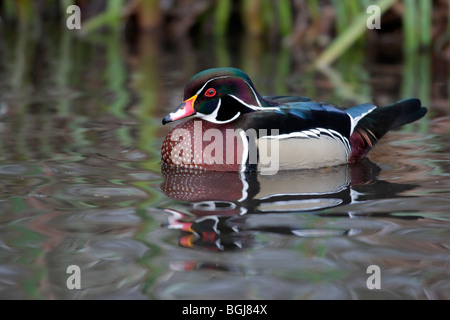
column 233, row 128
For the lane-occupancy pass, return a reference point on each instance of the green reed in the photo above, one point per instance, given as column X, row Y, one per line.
column 258, row 17
column 351, row 30
column 222, row 13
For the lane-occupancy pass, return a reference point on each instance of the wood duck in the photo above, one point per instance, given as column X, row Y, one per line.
column 233, row 128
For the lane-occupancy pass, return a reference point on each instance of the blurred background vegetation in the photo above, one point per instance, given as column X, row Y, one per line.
column 330, row 24
column 144, row 50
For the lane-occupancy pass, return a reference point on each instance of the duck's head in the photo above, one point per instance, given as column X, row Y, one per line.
column 218, row 95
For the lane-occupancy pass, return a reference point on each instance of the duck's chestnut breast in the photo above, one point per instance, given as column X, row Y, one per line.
column 202, row 145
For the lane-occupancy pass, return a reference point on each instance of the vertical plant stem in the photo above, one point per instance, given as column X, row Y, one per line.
column 409, row 25
column 284, row 13
column 408, row 76
column 424, row 84
column 222, row 17
column 63, row 72
column 252, row 17
column 147, row 83
column 116, row 75
column 10, row 9
column 149, row 14
column 425, row 9
column 220, row 52
column 24, row 12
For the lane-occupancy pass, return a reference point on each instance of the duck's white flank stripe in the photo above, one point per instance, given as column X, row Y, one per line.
column 303, row 134
column 343, row 140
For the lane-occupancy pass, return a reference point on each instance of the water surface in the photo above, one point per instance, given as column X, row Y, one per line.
column 81, row 183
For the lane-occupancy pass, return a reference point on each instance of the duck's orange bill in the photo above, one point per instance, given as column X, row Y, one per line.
column 184, row 110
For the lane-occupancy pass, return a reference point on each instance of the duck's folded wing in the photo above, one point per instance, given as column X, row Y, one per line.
column 299, row 117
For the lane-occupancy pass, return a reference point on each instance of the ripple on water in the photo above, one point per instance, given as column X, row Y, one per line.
column 68, row 197
column 104, row 221
column 14, row 169
column 110, row 267
column 11, row 276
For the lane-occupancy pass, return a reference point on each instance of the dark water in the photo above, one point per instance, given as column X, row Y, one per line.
column 80, row 181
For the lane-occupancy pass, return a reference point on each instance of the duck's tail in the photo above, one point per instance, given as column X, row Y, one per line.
column 374, row 125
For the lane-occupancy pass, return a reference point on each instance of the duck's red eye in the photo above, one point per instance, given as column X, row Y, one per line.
column 210, row 92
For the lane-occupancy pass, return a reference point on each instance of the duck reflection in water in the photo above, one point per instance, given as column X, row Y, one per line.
column 220, row 203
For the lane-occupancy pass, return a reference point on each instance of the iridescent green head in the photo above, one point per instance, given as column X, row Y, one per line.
column 218, row 95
